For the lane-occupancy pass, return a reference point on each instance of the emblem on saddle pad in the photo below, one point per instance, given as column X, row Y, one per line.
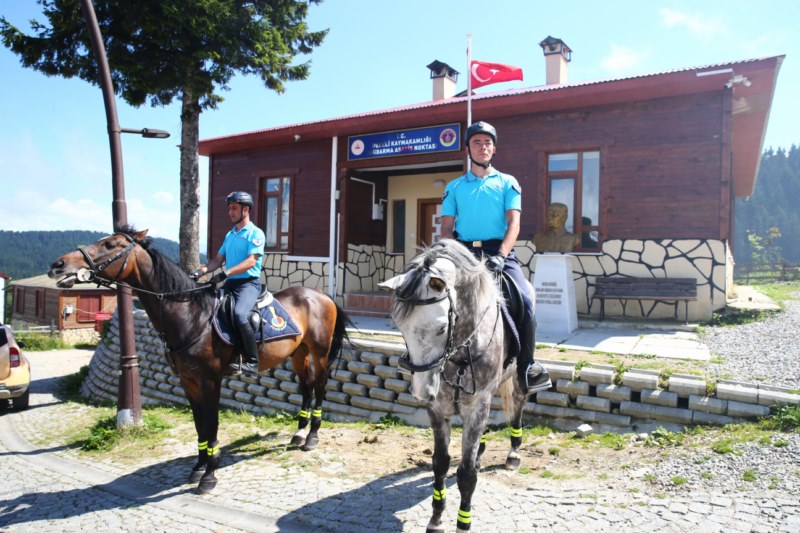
column 277, row 321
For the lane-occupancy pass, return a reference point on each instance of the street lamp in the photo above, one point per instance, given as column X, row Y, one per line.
column 148, row 133
column 129, row 403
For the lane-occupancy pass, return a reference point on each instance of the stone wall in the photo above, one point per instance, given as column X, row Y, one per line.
column 366, row 385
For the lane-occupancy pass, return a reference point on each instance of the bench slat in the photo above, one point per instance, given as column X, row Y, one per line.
column 622, row 288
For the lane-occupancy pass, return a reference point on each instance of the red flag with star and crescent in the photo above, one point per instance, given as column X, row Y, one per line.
column 484, row 73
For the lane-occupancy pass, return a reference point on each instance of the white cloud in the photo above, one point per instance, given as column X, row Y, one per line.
column 703, row 27
column 623, row 60
column 164, row 197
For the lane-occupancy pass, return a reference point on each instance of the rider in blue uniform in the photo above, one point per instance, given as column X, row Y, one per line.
column 241, row 252
column 482, row 210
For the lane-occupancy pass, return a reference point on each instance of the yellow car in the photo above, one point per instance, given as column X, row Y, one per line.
column 15, row 371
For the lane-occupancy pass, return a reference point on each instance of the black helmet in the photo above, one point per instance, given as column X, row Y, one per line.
column 240, row 197
column 480, row 127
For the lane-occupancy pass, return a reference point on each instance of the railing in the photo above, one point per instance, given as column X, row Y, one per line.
column 755, row 273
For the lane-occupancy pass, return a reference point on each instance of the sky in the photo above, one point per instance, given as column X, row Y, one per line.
column 55, row 169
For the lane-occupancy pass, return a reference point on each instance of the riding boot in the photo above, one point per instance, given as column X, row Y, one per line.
column 533, row 377
column 249, row 352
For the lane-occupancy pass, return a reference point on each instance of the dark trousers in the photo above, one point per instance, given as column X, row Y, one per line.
column 245, row 293
column 514, row 270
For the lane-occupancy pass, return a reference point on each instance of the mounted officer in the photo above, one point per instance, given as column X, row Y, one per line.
column 482, row 210
column 241, row 253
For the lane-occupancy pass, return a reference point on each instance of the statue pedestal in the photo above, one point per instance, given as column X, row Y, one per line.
column 556, row 312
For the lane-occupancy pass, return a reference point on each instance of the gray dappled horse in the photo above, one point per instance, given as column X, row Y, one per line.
column 448, row 309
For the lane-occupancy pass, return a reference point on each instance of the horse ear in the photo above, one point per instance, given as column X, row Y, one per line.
column 393, row 284
column 140, row 235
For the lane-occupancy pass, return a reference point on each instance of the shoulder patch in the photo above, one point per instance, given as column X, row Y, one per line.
column 258, row 242
column 517, row 188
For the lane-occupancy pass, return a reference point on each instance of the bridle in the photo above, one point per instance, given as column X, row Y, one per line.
column 91, row 274
column 450, row 349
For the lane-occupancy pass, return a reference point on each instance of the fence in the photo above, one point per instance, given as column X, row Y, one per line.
column 757, row 273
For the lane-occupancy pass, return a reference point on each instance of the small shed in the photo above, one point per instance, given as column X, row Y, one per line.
column 74, row 312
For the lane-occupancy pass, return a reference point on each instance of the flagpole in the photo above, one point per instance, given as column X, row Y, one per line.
column 469, row 79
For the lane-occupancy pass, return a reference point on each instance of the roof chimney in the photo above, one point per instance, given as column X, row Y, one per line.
column 556, row 56
column 444, row 80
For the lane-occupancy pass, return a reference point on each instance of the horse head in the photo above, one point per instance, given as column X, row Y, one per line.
column 108, row 259
column 427, row 299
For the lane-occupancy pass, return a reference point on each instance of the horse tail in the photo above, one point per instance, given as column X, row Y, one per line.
column 339, row 334
column 506, row 390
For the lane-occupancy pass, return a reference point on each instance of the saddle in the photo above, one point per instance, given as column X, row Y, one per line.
column 268, row 318
column 513, row 310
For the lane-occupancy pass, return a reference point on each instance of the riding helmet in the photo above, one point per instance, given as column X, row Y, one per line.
column 480, row 127
column 240, row 197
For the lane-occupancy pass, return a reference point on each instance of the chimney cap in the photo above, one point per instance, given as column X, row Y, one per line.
column 442, row 70
column 553, row 45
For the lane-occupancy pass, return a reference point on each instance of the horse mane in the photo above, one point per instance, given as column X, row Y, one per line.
column 473, row 283
column 167, row 275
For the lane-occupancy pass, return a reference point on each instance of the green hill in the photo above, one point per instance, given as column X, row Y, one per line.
column 29, row 253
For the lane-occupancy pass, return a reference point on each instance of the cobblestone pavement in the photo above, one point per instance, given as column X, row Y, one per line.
column 48, row 489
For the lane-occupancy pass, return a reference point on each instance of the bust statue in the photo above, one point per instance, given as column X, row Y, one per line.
column 556, row 238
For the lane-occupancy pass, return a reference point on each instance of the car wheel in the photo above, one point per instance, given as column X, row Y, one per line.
column 21, row 402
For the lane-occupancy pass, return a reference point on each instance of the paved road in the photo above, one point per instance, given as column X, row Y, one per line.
column 46, row 489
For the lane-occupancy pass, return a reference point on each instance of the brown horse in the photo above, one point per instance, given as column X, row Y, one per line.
column 181, row 310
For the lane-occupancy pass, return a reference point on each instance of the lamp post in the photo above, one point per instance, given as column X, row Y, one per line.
column 129, row 405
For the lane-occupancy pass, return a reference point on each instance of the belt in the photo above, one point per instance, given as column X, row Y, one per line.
column 491, row 243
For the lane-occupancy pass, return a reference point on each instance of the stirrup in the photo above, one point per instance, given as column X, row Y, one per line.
column 538, row 382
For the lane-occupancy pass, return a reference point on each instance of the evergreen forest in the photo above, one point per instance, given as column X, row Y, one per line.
column 767, row 225
column 24, row 254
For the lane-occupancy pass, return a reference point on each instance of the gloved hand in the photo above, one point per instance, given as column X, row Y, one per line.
column 197, row 274
column 218, row 278
column 496, row 263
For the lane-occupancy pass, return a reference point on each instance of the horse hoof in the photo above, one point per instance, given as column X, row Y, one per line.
column 206, row 486
column 196, row 475
column 437, row 528
column 310, row 445
column 297, row 440
column 512, row 463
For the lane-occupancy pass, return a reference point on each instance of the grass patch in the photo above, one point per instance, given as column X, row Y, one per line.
column 749, row 475
column 678, row 481
column 723, row 446
column 784, row 418
column 37, row 342
column 71, row 385
column 662, row 438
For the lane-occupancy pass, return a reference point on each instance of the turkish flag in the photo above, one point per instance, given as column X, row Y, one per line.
column 483, row 73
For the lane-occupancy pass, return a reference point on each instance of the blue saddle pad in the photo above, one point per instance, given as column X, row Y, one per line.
column 275, row 324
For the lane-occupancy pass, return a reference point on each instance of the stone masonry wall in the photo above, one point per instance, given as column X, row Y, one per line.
column 366, row 384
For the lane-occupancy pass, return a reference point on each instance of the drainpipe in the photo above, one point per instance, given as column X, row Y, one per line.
column 332, row 222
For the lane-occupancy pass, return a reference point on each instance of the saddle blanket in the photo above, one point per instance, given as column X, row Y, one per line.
column 275, row 324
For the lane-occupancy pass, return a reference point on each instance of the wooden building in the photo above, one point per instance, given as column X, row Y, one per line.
column 648, row 165
column 73, row 312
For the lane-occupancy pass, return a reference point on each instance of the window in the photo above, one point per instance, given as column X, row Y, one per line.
column 88, row 307
column 19, row 298
column 399, row 226
column 277, row 213
column 39, row 312
column 574, row 180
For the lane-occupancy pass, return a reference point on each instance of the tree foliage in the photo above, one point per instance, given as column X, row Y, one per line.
column 173, row 49
column 767, row 225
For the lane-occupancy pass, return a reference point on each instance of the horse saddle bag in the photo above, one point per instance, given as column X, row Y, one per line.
column 268, row 318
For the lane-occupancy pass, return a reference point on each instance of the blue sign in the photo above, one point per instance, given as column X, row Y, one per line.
column 444, row 138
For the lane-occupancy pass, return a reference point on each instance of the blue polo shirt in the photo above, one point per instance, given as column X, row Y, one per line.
column 479, row 205
column 239, row 244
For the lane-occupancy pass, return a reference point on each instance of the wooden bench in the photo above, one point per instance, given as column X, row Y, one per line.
column 658, row 289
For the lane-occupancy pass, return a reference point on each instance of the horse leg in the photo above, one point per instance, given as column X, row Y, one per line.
column 481, row 449
column 301, row 368
column 202, row 443
column 319, row 382
column 514, row 460
column 467, row 474
column 441, row 463
column 210, row 389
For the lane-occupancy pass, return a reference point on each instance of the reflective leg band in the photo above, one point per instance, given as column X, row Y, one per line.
column 439, row 495
column 464, row 517
column 202, row 445
column 317, row 413
column 516, row 432
column 212, row 451
column 304, row 414
column 483, row 439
